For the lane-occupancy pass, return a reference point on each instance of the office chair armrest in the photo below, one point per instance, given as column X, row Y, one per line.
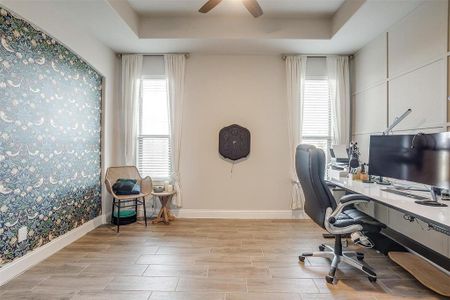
column 338, row 230
column 345, row 201
column 351, row 197
column 330, row 216
column 330, row 184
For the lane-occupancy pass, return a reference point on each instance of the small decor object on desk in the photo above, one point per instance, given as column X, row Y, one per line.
column 353, row 162
column 445, row 195
column 164, row 214
column 364, row 174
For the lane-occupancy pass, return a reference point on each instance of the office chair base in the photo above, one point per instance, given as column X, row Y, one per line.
column 346, row 257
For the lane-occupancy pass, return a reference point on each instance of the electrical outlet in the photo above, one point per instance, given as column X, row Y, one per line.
column 23, row 232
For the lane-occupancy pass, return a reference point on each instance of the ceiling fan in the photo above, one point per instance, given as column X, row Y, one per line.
column 251, row 5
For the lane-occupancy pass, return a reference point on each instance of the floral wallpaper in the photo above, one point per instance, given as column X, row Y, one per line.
column 50, row 129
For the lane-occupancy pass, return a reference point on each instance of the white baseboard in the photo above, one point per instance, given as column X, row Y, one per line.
column 21, row 264
column 239, row 214
column 106, row 218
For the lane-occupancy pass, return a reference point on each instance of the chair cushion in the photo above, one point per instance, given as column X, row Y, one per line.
column 353, row 216
column 130, row 197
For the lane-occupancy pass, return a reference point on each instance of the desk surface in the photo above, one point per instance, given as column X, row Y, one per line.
column 435, row 215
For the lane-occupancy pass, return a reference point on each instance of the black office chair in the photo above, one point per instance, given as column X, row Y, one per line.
column 337, row 218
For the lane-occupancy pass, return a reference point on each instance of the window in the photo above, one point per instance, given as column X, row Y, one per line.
column 317, row 113
column 154, row 130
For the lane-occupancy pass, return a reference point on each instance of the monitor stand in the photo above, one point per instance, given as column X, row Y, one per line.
column 381, row 181
column 433, row 201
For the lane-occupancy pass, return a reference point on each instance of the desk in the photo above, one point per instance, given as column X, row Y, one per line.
column 437, row 217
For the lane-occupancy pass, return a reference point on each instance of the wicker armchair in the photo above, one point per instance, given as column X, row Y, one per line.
column 122, row 201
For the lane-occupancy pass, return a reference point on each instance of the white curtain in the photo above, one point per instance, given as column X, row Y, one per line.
column 295, row 76
column 131, row 81
column 339, row 83
column 175, row 70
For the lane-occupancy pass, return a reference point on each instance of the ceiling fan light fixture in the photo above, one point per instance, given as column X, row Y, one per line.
column 252, row 6
column 208, row 6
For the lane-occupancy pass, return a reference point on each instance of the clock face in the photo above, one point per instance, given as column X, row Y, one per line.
column 234, row 142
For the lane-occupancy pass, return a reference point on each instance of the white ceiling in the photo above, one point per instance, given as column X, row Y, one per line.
column 271, row 8
column 126, row 30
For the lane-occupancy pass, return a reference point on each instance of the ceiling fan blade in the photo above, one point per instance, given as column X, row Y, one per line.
column 209, row 5
column 253, row 7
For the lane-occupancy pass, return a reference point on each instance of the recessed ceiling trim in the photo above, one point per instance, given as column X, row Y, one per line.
column 271, row 8
column 236, row 28
column 124, row 31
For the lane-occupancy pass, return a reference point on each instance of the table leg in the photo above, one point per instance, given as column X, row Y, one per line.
column 166, row 217
column 158, row 218
column 171, row 216
column 163, row 215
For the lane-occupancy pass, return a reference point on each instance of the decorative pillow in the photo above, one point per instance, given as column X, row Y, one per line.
column 126, row 187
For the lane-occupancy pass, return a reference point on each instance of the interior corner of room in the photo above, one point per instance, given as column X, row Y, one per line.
column 224, row 149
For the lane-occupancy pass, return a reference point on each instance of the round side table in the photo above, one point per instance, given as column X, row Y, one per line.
column 164, row 214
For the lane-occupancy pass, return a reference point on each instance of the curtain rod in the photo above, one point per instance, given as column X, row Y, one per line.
column 187, row 55
column 284, row 56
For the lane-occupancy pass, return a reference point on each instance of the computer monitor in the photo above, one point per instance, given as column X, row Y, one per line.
column 422, row 158
column 339, row 154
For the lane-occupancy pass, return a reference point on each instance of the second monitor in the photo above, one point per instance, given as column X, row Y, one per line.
column 422, row 158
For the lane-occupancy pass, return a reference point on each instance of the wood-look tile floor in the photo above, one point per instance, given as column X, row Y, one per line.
column 206, row 259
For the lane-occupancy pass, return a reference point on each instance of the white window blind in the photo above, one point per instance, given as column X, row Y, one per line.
column 154, row 130
column 317, row 113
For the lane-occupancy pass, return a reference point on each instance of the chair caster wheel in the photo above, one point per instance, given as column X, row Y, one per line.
column 359, row 256
column 321, row 248
column 329, row 279
column 301, row 258
column 372, row 279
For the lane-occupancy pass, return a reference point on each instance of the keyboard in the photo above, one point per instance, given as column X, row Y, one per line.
column 412, row 196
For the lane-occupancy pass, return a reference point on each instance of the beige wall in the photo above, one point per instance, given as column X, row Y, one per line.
column 250, row 91
column 405, row 67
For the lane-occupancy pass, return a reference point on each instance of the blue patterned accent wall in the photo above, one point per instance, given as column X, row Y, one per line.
column 50, row 130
